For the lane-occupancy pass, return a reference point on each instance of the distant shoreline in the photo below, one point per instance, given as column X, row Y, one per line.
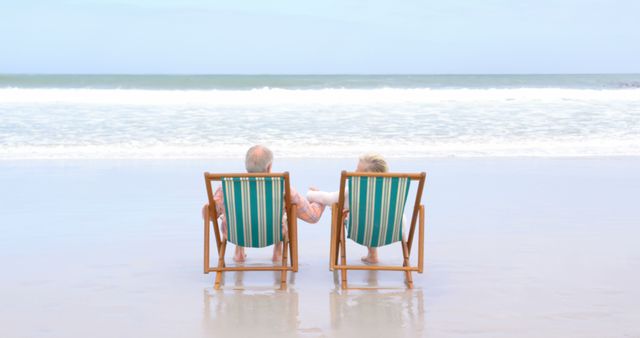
column 317, row 81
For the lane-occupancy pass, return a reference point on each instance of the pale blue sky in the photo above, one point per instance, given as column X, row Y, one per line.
column 328, row 36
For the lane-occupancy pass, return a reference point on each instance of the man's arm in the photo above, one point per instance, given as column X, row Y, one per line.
column 309, row 212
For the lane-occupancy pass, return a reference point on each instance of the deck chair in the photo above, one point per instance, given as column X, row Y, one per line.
column 255, row 205
column 376, row 207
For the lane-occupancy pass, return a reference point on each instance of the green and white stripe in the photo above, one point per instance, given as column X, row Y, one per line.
column 376, row 206
column 254, row 208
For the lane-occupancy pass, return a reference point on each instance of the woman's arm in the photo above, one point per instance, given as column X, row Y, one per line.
column 322, row 197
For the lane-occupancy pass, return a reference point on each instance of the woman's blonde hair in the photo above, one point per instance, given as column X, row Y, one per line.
column 374, row 163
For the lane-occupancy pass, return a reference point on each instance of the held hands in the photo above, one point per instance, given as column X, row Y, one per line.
column 322, row 197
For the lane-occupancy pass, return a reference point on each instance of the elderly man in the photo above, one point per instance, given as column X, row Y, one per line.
column 259, row 160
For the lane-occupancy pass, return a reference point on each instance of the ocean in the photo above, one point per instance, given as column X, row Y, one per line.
column 318, row 116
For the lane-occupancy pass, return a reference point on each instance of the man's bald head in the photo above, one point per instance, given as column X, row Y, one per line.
column 259, row 159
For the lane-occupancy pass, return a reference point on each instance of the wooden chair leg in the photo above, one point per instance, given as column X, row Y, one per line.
column 343, row 256
column 291, row 254
column 293, row 240
column 221, row 264
column 283, row 274
column 405, row 253
column 216, row 285
column 421, row 241
column 207, row 253
column 338, row 247
column 332, row 248
column 340, row 235
column 295, row 255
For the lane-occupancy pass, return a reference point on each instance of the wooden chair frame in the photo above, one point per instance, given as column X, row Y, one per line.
column 339, row 228
column 289, row 242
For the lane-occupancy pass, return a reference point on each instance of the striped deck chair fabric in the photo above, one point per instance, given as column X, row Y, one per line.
column 376, row 207
column 254, row 208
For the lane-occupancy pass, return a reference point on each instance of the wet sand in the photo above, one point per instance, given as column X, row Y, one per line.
column 514, row 248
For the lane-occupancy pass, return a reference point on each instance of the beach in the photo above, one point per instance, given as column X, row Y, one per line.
column 524, row 115
column 515, row 247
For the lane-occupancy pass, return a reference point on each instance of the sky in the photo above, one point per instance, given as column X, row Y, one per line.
column 319, row 37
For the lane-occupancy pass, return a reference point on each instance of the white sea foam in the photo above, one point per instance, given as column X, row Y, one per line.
column 599, row 147
column 132, row 123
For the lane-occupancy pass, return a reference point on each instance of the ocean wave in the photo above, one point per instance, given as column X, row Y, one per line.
column 629, row 84
column 329, row 96
column 390, row 149
column 157, row 124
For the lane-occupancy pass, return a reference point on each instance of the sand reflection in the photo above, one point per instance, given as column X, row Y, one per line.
column 377, row 312
column 241, row 310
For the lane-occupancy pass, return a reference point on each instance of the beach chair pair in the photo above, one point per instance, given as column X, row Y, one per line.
column 256, row 204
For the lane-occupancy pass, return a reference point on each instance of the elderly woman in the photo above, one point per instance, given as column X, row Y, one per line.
column 372, row 163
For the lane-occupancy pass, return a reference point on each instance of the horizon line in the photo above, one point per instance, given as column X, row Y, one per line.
column 307, row 74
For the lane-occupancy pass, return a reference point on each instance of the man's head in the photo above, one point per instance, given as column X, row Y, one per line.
column 372, row 163
column 259, row 159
